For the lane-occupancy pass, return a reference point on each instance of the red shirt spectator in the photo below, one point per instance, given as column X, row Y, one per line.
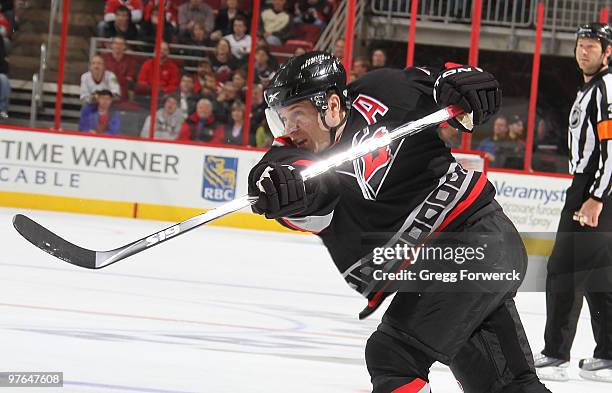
column 170, row 8
column 169, row 73
column 122, row 65
column 135, row 6
column 6, row 29
column 201, row 125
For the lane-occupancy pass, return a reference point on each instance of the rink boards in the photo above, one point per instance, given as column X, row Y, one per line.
column 173, row 181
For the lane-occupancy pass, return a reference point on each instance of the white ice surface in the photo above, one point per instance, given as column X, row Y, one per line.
column 216, row 310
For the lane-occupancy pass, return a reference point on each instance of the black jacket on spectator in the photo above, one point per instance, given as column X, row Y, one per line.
column 111, row 31
column 7, row 5
column 148, row 31
column 223, row 70
column 192, row 101
column 4, row 67
column 258, row 115
column 224, row 23
column 228, row 138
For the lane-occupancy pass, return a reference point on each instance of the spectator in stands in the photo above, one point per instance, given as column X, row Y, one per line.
column 225, row 18
column 98, row 78
column 361, row 66
column 168, row 120
column 339, row 49
column 168, row 76
column 223, row 62
column 7, row 8
column 121, row 25
column 262, row 63
column 204, row 68
column 299, row 51
column 449, row 135
column 240, row 42
column 276, row 23
column 379, row 58
column 239, row 79
column 516, row 129
column 263, row 136
column 232, row 131
column 197, row 37
column 148, row 30
column 201, row 125
column 310, row 11
column 122, row 65
column 195, row 11
column 135, row 8
column 258, row 109
column 187, row 97
column 489, row 145
column 6, row 30
column 5, row 86
column 512, row 149
column 169, row 9
column 225, row 99
column 99, row 117
column 210, row 88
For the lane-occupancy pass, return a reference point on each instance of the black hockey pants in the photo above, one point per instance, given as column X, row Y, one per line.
column 478, row 334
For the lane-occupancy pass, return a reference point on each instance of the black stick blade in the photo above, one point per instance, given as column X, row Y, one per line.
column 52, row 244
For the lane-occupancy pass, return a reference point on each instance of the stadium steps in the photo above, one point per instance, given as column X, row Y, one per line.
column 33, row 31
column 21, row 96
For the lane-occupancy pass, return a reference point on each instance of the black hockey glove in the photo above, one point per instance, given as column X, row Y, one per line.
column 471, row 88
column 280, row 189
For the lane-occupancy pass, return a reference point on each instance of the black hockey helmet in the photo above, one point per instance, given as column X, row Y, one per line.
column 596, row 30
column 307, row 77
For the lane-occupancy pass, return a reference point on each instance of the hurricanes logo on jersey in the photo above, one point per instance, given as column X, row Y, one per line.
column 371, row 169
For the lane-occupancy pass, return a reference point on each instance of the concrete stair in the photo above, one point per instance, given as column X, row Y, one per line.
column 24, row 58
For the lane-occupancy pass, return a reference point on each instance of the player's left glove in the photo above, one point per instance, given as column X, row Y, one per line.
column 473, row 89
column 280, row 189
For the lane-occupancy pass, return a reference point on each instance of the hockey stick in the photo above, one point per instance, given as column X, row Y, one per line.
column 60, row 248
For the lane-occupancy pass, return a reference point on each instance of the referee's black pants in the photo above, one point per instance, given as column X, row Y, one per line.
column 580, row 266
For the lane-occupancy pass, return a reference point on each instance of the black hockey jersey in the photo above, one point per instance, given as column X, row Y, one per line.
column 399, row 194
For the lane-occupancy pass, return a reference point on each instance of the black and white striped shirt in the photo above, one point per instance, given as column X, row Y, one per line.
column 590, row 131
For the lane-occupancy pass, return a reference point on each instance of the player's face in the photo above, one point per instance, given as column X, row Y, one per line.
column 303, row 126
column 589, row 55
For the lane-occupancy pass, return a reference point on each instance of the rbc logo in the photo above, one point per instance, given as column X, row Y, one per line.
column 219, row 178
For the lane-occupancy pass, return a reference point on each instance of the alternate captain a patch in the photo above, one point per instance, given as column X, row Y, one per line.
column 372, row 169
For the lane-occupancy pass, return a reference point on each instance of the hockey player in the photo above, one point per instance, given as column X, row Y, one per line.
column 406, row 191
column 581, row 260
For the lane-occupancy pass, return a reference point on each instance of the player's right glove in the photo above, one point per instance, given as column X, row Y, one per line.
column 471, row 88
column 279, row 188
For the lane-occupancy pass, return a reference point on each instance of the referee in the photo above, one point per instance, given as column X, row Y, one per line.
column 581, row 260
